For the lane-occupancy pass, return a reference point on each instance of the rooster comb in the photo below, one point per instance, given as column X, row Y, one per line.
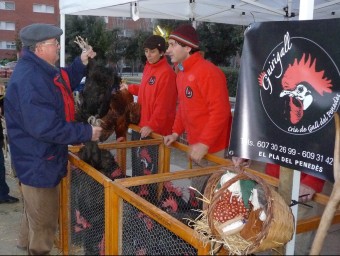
column 305, row 71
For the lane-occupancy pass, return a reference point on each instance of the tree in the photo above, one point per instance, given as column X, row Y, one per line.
column 91, row 28
column 227, row 41
column 134, row 51
column 111, row 47
column 117, row 46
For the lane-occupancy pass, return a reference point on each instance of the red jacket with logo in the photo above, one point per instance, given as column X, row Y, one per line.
column 157, row 95
column 204, row 110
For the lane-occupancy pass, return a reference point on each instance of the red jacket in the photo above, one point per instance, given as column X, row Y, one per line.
column 157, row 95
column 204, row 109
column 311, row 181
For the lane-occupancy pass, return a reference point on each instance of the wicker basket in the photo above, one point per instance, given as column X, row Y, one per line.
column 211, row 185
column 276, row 230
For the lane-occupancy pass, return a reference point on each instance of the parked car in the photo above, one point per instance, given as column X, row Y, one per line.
column 11, row 65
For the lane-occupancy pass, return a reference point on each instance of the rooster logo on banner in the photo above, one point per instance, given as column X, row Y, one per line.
column 296, row 87
column 297, row 92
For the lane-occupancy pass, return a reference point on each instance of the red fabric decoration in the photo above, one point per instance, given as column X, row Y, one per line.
column 62, row 81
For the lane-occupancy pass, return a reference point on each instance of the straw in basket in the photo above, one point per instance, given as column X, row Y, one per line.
column 254, row 236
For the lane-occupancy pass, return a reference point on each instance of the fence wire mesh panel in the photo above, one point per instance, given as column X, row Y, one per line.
column 179, row 160
column 141, row 235
column 144, row 236
column 86, row 214
column 144, row 159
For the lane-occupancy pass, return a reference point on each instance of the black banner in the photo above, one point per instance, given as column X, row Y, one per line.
column 288, row 93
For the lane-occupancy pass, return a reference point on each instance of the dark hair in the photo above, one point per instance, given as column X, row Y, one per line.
column 192, row 51
column 155, row 42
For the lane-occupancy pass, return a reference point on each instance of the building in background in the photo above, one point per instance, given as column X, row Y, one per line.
column 128, row 26
column 16, row 14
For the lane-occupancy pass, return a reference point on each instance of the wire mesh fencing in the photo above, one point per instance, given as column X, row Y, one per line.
column 105, row 217
column 86, row 214
column 128, row 204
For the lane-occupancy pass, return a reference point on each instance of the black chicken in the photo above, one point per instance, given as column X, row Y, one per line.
column 88, row 211
column 102, row 99
column 94, row 99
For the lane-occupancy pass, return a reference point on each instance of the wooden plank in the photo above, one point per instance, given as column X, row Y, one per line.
column 310, row 224
column 155, row 178
column 121, row 159
column 322, row 199
column 166, row 158
column 160, row 170
column 163, row 218
column 64, row 219
column 154, row 135
column 109, row 221
column 94, row 173
column 121, row 144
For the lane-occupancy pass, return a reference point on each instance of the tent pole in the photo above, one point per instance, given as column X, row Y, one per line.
column 62, row 41
column 306, row 11
column 194, row 24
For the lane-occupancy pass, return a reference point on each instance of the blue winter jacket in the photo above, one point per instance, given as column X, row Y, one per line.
column 34, row 112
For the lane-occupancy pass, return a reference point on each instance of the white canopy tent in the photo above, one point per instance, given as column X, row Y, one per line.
column 237, row 12
column 240, row 12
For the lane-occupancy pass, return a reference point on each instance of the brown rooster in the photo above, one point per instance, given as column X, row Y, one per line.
column 122, row 111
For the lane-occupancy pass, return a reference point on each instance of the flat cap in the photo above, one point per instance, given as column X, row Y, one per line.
column 38, row 32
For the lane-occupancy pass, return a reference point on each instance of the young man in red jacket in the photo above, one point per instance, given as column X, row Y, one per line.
column 203, row 101
column 157, row 93
column 157, row 96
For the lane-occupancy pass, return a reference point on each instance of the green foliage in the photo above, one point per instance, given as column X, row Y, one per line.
column 117, row 46
column 89, row 27
column 134, row 49
column 108, row 44
column 220, row 41
column 134, row 52
column 232, row 79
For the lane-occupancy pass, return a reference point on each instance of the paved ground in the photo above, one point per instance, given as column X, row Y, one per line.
column 9, row 221
column 10, row 215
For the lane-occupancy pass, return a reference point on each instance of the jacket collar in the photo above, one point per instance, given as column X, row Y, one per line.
column 189, row 62
column 158, row 63
column 48, row 68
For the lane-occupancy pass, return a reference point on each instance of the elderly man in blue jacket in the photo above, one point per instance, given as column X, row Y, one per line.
column 39, row 113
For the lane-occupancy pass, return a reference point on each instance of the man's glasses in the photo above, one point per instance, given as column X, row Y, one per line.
column 56, row 43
